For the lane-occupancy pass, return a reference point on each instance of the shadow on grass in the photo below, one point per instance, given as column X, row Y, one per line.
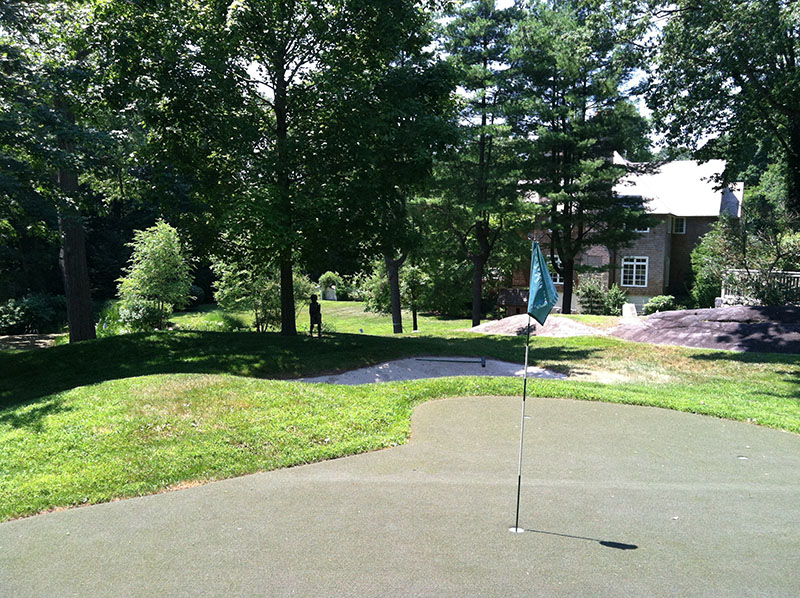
column 34, row 374
column 33, row 418
column 606, row 543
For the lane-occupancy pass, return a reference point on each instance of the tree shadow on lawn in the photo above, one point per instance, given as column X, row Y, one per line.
column 34, row 374
column 33, row 417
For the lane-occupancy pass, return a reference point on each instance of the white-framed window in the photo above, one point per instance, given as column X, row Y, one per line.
column 642, row 230
column 634, row 271
column 557, row 278
column 678, row 225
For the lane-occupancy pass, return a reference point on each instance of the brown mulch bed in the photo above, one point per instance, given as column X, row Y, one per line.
column 741, row 328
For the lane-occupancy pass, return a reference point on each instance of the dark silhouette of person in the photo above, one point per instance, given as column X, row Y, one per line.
column 315, row 312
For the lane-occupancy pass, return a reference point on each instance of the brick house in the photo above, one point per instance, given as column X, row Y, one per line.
column 684, row 200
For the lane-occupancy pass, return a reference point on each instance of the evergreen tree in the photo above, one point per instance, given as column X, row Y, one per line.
column 569, row 68
column 480, row 178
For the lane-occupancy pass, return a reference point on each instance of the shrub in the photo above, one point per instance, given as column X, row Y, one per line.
column 592, row 295
column 353, row 289
column 659, row 303
column 157, row 275
column 142, row 315
column 245, row 284
column 378, row 297
column 614, row 300
column 330, row 279
column 35, row 313
column 109, row 322
column 12, row 317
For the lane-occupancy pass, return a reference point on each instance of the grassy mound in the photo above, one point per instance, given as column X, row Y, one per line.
column 137, row 414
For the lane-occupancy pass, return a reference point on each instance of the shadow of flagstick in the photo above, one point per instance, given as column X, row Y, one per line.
column 606, row 543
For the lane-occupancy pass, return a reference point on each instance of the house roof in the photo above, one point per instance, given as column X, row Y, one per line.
column 682, row 188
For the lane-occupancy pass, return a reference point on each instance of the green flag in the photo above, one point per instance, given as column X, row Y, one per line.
column 542, row 295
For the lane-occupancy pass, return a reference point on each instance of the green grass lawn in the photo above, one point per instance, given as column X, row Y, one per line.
column 137, row 414
column 337, row 316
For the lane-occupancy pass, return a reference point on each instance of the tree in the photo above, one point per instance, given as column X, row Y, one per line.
column 41, row 139
column 415, row 284
column 295, row 46
column 158, row 271
column 245, row 283
column 728, row 69
column 410, row 102
column 570, row 65
column 169, row 87
column 758, row 244
column 480, row 178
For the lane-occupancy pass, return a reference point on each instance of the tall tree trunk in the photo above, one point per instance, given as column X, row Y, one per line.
column 288, row 323
column 75, row 270
column 568, row 267
column 793, row 169
column 393, row 272
column 414, row 317
column 479, row 259
column 479, row 266
column 72, row 256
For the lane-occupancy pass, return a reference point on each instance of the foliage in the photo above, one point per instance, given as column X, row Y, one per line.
column 572, row 62
column 353, row 288
column 157, row 277
column 377, row 287
column 49, row 137
column 109, row 322
column 34, row 313
column 708, row 267
column 478, row 179
column 765, row 240
column 330, row 279
column 244, row 284
column 310, row 60
column 592, row 295
column 137, row 314
column 614, row 301
column 659, row 303
column 595, row 299
column 414, row 287
column 727, row 69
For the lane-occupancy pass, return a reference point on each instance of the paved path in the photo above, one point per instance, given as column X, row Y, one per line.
column 711, row 507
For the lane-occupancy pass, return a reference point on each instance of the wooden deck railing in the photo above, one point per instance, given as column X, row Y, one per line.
column 740, row 285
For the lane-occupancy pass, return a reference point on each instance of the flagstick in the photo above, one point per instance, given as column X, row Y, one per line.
column 516, row 529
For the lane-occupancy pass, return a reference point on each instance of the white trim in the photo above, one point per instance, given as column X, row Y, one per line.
column 634, row 264
column 675, row 220
column 642, row 230
column 557, row 278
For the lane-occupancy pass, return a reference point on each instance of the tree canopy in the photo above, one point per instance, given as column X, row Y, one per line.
column 726, row 76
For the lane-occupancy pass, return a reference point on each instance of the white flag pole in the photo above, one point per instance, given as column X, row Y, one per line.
column 517, row 529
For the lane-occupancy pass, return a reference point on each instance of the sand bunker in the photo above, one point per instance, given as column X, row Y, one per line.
column 432, row 367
